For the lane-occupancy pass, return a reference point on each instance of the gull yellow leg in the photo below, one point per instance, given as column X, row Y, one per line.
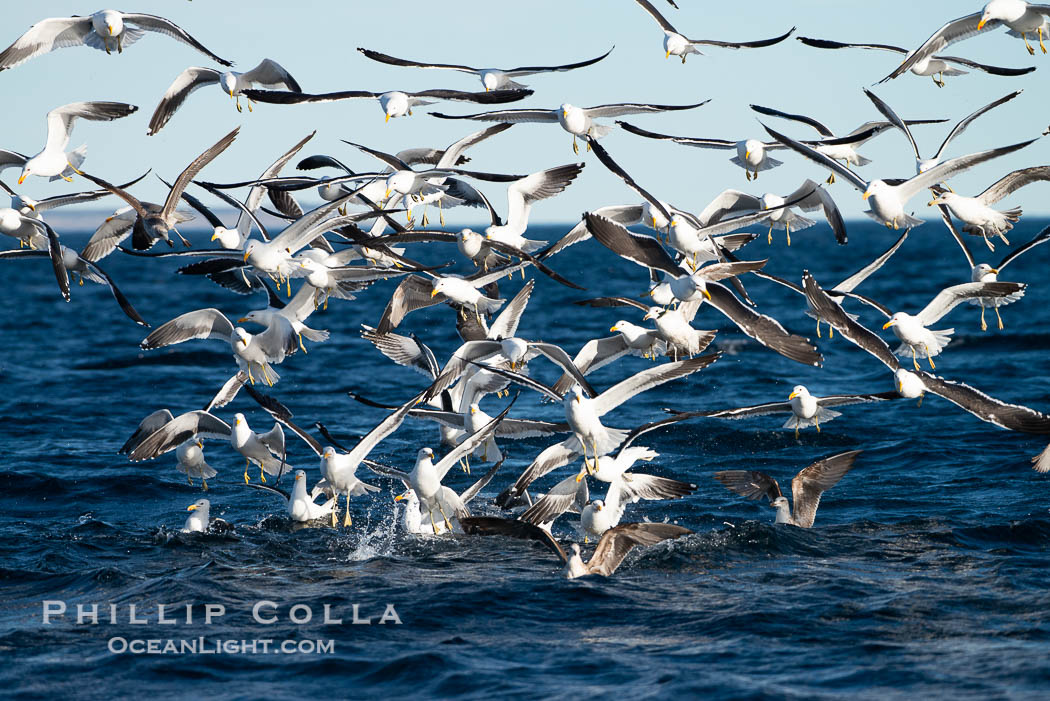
column 831, row 331
column 999, row 318
column 930, row 358
column 747, row 174
column 301, row 346
column 796, row 428
column 325, row 302
column 335, row 508
column 816, row 421
column 190, row 480
column 448, row 524
column 1031, row 51
column 787, row 228
column 921, row 397
column 818, row 328
column 205, row 483
column 346, row 515
column 249, row 103
column 120, row 43
column 575, row 146
column 984, row 326
column 250, row 378
column 1041, row 44
column 262, row 475
column 914, row 359
column 769, row 234
column 247, row 464
column 831, row 179
column 106, row 44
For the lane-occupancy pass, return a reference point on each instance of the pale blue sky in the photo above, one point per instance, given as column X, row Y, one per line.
column 316, row 41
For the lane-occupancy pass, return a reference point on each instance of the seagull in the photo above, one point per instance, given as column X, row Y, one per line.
column 677, row 45
column 54, row 161
column 151, row 226
column 394, row 103
column 610, row 553
column 412, row 519
column 914, row 385
column 1021, row 19
column 936, row 67
column 590, row 438
column 924, row 164
column 491, row 78
column 912, row 329
column 630, row 339
column 301, row 504
column 888, row 197
column 983, row 272
column 190, row 461
column 845, row 148
column 199, row 520
column 106, row 30
column 646, row 251
column 976, row 213
column 578, row 121
column 806, row 410
column 806, row 487
column 268, row 73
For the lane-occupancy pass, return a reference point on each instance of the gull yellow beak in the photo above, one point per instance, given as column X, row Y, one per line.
column 200, row 444
column 792, row 395
column 246, row 256
column 387, row 119
column 599, row 507
column 707, row 295
column 242, row 320
column 387, row 194
column 399, row 497
column 298, row 477
column 30, row 205
column 866, row 195
column 747, row 154
column 668, row 54
column 231, row 92
column 615, row 328
column 473, row 410
column 21, row 179
column 486, row 89
column 565, row 113
column 993, row 271
column 237, row 422
column 191, row 507
column 931, row 203
column 577, row 398
column 433, row 293
column 980, row 25
column 900, row 387
column 110, row 28
column 888, row 324
column 214, row 236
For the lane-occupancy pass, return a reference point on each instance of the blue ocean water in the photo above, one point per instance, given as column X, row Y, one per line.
column 924, row 574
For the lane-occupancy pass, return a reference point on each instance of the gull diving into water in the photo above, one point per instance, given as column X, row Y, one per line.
column 105, row 30
column 491, row 78
column 268, row 73
column 806, row 487
column 1020, row 18
column 675, row 44
column 613, row 547
column 53, row 161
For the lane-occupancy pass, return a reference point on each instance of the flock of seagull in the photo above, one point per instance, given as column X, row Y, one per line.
column 364, row 231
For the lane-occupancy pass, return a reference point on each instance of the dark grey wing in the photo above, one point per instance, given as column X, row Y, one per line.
column 749, row 483
column 153, row 23
column 746, row 412
column 965, row 122
column 827, row 309
column 57, row 201
column 759, row 44
column 54, row 252
column 560, row 358
column 819, row 158
column 809, row 484
column 273, row 490
column 602, row 302
column 185, row 83
column 195, row 423
column 848, row 399
column 655, row 14
column 405, row 63
column 414, row 292
column 526, row 70
column 621, row 214
column 1040, row 238
column 828, row 44
column 764, row 329
column 891, row 116
column 636, row 486
column 559, row 499
column 1010, row 416
column 637, row 248
column 505, row 116
column 991, row 70
column 466, row 354
column 1014, row 181
column 408, row 351
column 125, row 305
column 956, row 30
column 492, row 97
column 147, row 427
column 723, row 144
column 821, row 129
column 391, row 160
column 289, row 97
column 616, row 542
column 615, row 168
column 187, row 175
column 490, row 525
